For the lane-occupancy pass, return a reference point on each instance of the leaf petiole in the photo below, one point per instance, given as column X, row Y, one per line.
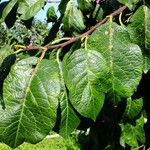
column 59, row 40
column 120, row 21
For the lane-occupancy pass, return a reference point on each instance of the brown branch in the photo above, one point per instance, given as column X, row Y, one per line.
column 72, row 40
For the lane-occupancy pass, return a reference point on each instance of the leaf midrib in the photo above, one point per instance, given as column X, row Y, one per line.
column 145, row 20
column 111, row 54
column 24, row 101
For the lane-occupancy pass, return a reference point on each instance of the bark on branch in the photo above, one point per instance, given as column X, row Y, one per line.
column 118, row 11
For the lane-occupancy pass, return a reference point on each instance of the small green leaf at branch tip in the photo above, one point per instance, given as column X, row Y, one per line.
column 51, row 15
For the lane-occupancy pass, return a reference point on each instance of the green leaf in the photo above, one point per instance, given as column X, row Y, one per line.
column 123, row 58
column 24, row 5
column 51, row 15
column 98, row 13
column 2, row 6
column 133, row 108
column 11, row 17
column 31, row 98
column 86, row 5
column 31, row 8
column 69, row 119
column 85, row 74
column 62, row 6
column 146, row 57
column 4, row 52
column 5, row 66
column 129, row 3
column 131, row 135
column 8, row 8
column 73, row 18
column 139, row 29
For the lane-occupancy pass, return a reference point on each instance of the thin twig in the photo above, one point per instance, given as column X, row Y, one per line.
column 72, row 40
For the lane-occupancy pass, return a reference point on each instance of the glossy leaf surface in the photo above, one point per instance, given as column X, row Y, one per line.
column 139, row 29
column 123, row 57
column 85, row 77
column 31, row 102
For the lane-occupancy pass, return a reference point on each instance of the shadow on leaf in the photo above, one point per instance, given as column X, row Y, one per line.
column 4, row 71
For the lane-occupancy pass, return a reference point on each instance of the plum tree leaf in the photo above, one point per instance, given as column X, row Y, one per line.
column 98, row 13
column 24, row 5
column 6, row 61
column 51, row 15
column 133, row 108
column 4, row 52
column 73, row 18
column 123, row 58
column 131, row 134
column 2, row 6
column 62, row 6
column 85, row 74
column 139, row 29
column 31, row 98
column 8, row 8
column 69, row 119
column 86, row 5
column 31, row 9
